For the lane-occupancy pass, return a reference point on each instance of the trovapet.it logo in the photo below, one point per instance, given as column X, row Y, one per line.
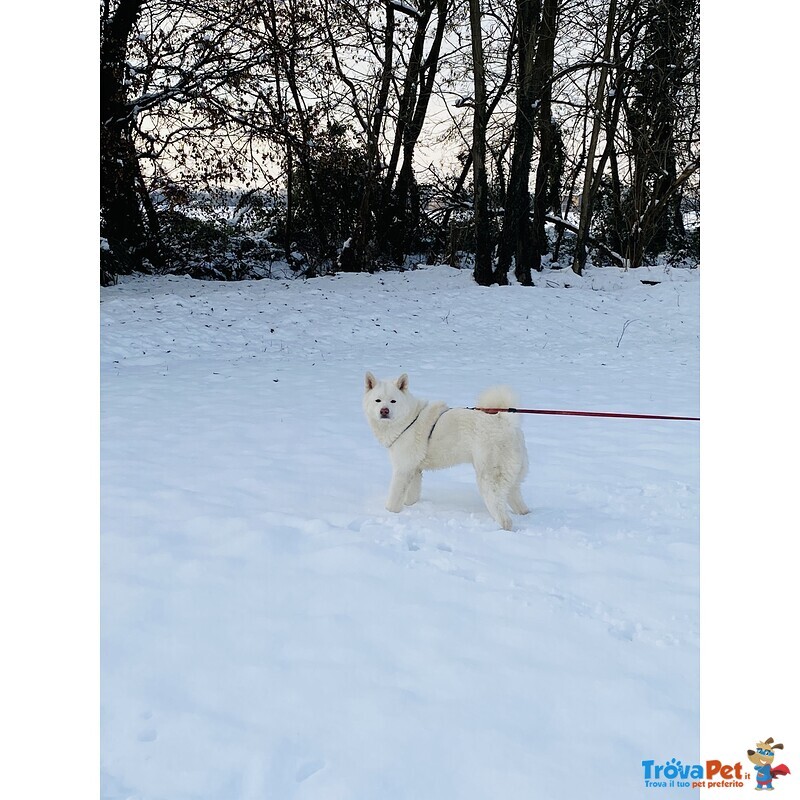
column 716, row 774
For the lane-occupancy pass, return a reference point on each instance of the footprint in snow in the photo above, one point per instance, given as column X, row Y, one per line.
column 467, row 575
column 624, row 630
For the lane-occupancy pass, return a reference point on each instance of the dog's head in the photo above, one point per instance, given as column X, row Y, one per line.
column 387, row 400
column 764, row 752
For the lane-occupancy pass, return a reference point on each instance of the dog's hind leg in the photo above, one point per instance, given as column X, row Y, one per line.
column 495, row 482
column 495, row 499
column 516, row 502
column 497, row 508
column 414, row 489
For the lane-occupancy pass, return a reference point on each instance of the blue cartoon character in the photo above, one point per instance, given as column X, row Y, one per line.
column 762, row 757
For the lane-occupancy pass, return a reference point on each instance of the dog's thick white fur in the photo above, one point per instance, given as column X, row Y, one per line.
column 421, row 435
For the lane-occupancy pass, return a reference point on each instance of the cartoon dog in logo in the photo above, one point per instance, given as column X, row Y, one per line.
column 762, row 757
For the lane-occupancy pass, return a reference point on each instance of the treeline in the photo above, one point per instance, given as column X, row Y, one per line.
column 339, row 135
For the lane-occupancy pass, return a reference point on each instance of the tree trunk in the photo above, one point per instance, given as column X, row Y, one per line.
column 364, row 225
column 483, row 254
column 131, row 235
column 653, row 119
column 467, row 168
column 390, row 214
column 284, row 65
column 547, row 170
column 589, row 192
column 659, row 203
column 407, row 218
column 517, row 238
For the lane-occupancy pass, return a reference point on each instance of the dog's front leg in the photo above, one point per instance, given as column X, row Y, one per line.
column 414, row 489
column 401, row 480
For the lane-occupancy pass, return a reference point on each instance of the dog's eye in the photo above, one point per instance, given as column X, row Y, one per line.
column 377, row 401
column 393, row 401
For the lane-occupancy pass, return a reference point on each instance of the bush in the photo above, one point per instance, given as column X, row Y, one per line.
column 326, row 195
column 212, row 249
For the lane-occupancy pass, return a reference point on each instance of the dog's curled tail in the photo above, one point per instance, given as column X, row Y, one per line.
column 499, row 397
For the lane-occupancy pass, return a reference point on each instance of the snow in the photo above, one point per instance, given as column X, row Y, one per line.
column 269, row 630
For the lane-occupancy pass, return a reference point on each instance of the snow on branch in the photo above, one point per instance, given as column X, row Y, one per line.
column 614, row 256
column 404, row 7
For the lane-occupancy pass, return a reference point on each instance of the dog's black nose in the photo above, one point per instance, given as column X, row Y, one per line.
column 384, row 412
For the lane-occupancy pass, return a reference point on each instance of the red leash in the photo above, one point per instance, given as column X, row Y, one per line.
column 581, row 413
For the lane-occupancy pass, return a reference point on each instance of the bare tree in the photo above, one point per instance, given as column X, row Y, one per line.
column 665, row 80
column 483, row 256
column 179, row 97
column 550, row 165
column 589, row 185
column 417, row 93
column 360, row 251
column 517, row 235
column 130, row 236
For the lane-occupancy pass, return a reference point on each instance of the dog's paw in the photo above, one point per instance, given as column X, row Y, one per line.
column 395, row 509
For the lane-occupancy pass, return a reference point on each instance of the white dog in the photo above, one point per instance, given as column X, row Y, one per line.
column 420, row 435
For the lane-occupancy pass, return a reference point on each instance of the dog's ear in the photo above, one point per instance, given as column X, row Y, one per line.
column 369, row 381
column 402, row 382
column 777, row 747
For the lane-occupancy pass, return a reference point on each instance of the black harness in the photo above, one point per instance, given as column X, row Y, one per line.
column 414, row 420
column 436, row 421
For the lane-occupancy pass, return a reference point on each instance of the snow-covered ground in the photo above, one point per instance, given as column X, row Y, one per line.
column 270, row 631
